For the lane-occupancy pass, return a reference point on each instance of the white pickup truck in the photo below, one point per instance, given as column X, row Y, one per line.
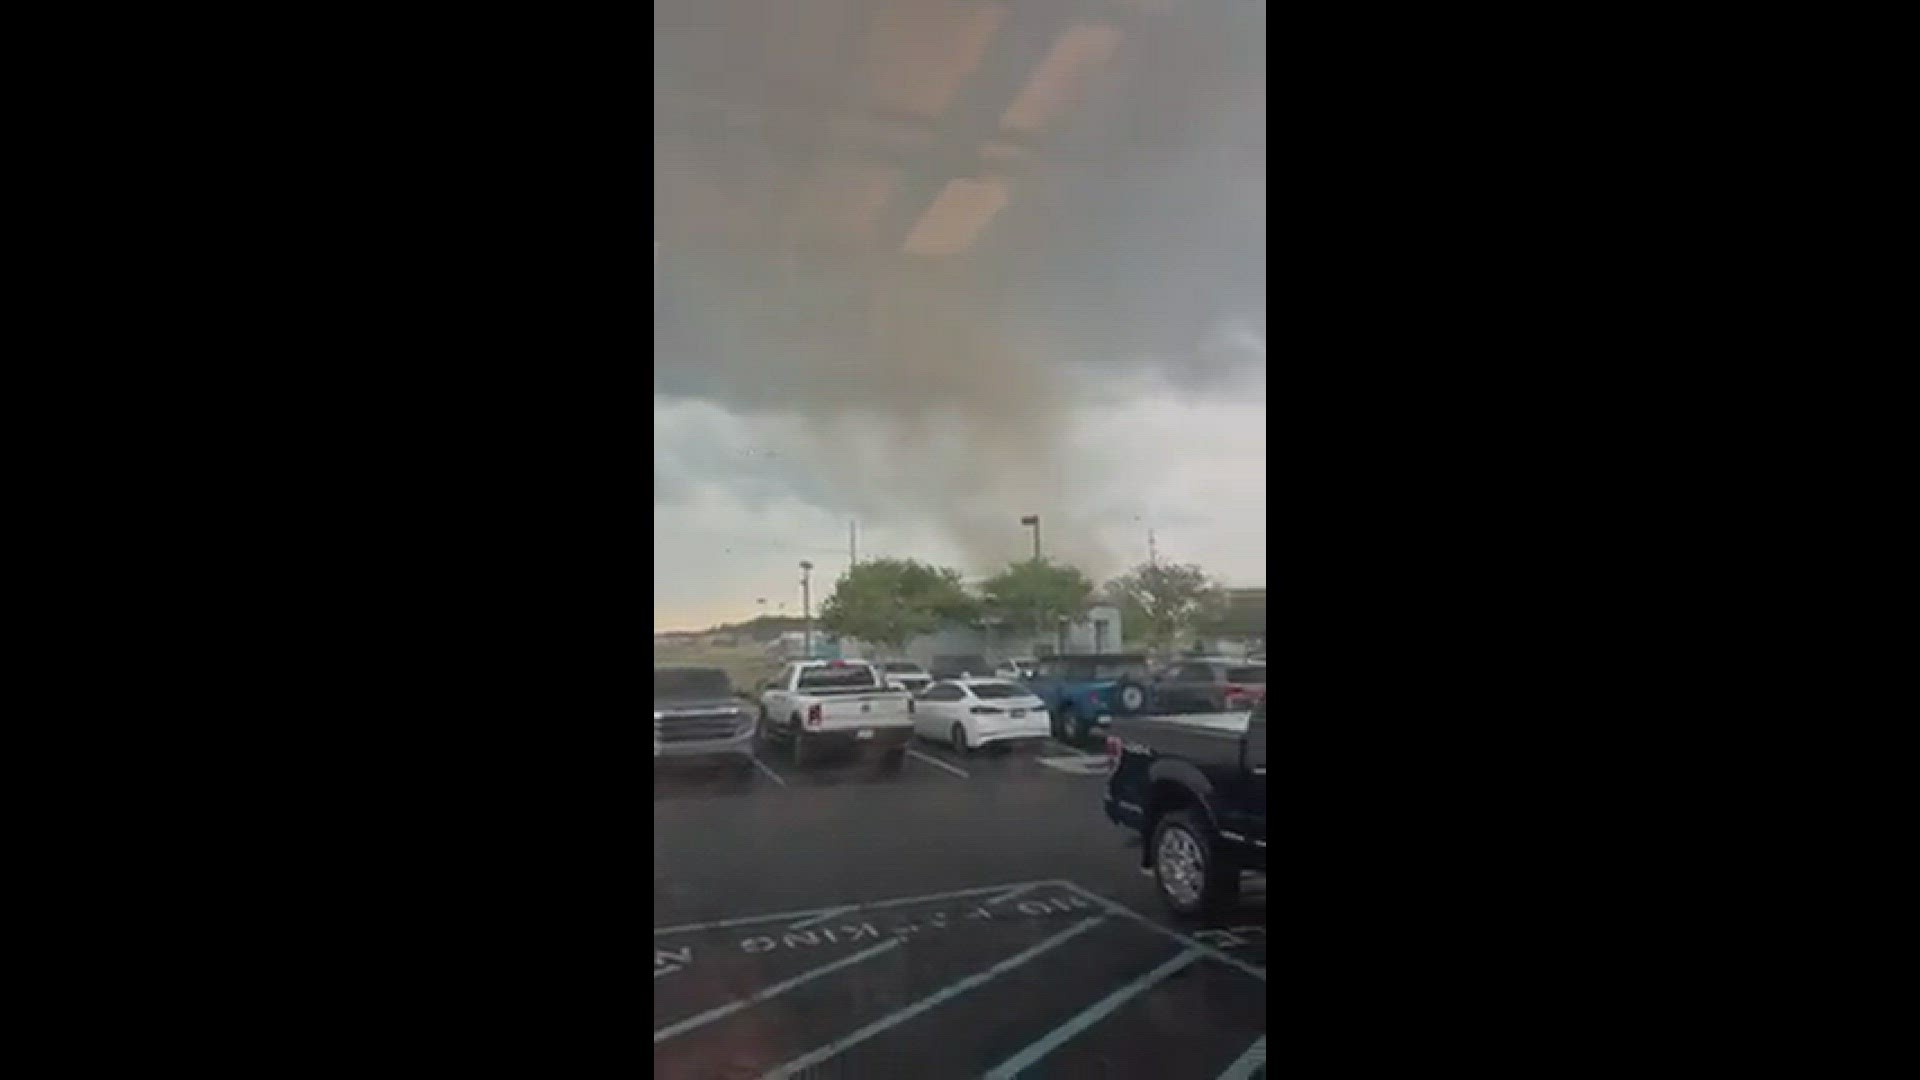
column 813, row 704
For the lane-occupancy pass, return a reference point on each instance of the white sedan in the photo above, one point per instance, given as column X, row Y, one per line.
column 972, row 712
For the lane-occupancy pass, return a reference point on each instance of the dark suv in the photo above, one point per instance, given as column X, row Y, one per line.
column 698, row 717
column 1209, row 686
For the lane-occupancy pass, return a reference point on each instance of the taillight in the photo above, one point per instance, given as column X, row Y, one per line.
column 813, row 715
column 1113, row 753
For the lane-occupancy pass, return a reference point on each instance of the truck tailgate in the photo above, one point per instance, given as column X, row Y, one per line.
column 863, row 710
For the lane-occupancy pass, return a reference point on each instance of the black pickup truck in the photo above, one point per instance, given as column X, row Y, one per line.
column 1195, row 788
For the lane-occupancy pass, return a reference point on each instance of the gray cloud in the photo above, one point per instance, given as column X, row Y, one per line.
column 941, row 390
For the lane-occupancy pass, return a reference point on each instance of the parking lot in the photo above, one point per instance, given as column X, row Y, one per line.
column 970, row 915
column 925, row 760
column 1028, row 979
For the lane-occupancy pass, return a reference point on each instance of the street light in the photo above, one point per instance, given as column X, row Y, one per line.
column 806, row 605
column 1034, row 520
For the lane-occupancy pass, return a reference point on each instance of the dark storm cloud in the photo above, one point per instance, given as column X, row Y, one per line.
column 941, row 387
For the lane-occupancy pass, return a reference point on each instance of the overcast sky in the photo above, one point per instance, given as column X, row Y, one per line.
column 1095, row 354
column 741, row 498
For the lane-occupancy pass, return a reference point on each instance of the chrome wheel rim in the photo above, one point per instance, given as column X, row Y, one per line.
column 1182, row 866
column 1130, row 697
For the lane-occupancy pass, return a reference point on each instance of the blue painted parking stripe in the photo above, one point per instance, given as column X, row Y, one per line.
column 895, row 1019
column 1088, row 1017
column 758, row 996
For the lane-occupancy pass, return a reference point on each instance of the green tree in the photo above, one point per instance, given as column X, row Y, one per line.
column 1164, row 599
column 1038, row 594
column 889, row 601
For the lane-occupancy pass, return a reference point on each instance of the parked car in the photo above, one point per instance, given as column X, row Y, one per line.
column 1082, row 692
column 814, row 704
column 1016, row 668
column 698, row 716
column 1195, row 788
column 908, row 674
column 959, row 667
column 968, row 714
column 1209, row 685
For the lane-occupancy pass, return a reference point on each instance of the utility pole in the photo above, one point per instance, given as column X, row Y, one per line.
column 853, row 548
column 1152, row 558
column 806, row 605
column 1034, row 520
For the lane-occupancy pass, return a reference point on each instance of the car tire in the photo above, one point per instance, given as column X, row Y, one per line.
column 1130, row 698
column 1192, row 876
column 764, row 729
column 957, row 738
column 1072, row 730
column 799, row 741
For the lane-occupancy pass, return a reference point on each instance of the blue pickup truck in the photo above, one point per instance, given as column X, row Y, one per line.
column 1086, row 691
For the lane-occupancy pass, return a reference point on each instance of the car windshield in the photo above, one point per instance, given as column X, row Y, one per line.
column 959, row 323
column 690, row 682
column 993, row 691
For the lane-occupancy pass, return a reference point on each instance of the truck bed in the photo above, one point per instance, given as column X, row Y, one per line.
column 1203, row 738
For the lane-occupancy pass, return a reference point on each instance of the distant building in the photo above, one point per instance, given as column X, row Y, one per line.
column 1097, row 631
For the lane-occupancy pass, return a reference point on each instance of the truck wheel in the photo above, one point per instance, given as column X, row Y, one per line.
column 957, row 738
column 1072, row 730
column 799, row 741
column 764, row 729
column 1132, row 698
column 1193, row 878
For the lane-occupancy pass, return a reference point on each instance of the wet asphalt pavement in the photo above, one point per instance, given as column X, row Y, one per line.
column 967, row 916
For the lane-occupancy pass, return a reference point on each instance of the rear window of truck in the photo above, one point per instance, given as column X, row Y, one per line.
column 838, row 678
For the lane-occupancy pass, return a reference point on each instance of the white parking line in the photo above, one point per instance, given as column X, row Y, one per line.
column 776, row 989
column 936, row 762
column 895, row 1019
column 1255, row 1057
column 1091, row 1015
column 822, row 917
column 750, row 920
column 1011, row 893
column 769, row 772
column 1126, row 912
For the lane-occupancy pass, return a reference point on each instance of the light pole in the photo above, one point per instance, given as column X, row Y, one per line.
column 1034, row 520
column 806, row 605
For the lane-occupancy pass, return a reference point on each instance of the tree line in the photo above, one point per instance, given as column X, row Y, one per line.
column 890, row 601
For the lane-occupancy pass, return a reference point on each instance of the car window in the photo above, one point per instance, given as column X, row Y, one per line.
column 1250, row 674
column 903, row 667
column 943, row 692
column 994, row 691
